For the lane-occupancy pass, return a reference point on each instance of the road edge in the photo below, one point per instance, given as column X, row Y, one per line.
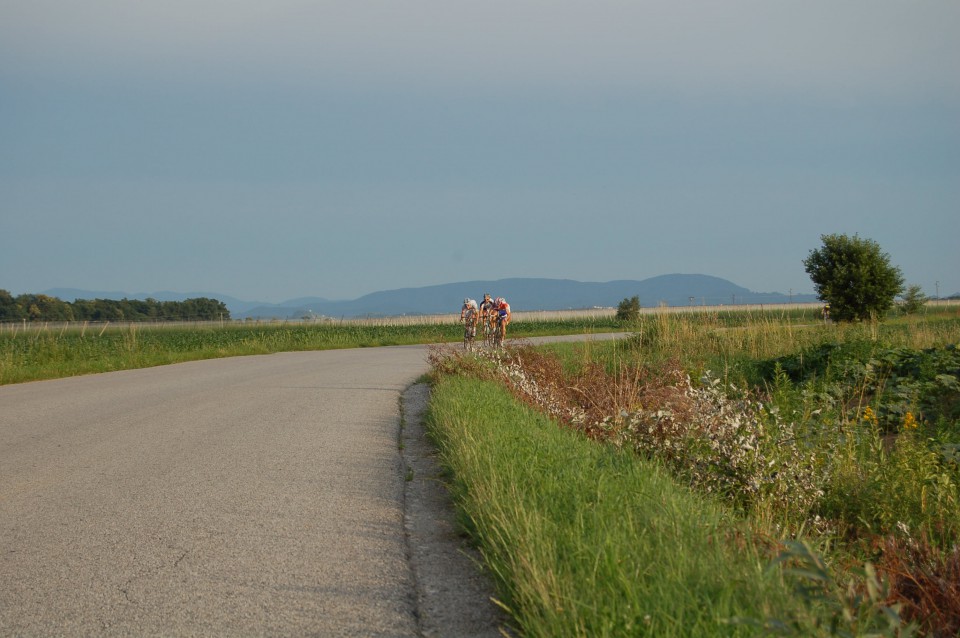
column 454, row 595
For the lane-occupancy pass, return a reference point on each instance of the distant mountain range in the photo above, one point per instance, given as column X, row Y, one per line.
column 523, row 294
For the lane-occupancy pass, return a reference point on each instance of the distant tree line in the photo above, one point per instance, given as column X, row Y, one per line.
column 32, row 307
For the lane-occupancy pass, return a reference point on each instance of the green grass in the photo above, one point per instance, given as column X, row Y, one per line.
column 588, row 541
column 742, row 347
column 46, row 353
column 897, row 466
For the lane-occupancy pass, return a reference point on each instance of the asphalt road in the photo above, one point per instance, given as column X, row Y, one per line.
column 254, row 495
column 259, row 495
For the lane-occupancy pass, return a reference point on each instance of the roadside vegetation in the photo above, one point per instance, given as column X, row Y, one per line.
column 815, row 464
column 34, row 351
column 586, row 540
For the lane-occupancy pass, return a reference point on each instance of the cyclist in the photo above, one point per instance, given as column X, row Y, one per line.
column 469, row 313
column 503, row 312
column 486, row 307
column 486, row 316
column 468, row 305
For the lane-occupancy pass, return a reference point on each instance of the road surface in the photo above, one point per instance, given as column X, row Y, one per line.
column 255, row 495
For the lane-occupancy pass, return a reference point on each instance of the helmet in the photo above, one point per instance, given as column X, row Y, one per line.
column 486, row 295
column 498, row 300
column 466, row 300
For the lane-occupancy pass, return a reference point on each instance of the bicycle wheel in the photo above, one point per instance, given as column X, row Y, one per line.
column 498, row 334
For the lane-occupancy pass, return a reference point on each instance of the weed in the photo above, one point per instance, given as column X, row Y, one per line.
column 857, row 606
column 924, row 581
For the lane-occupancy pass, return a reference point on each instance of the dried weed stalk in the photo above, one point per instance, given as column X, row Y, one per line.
column 926, row 583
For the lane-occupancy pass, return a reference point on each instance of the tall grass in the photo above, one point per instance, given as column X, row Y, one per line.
column 733, row 342
column 586, row 540
column 876, row 408
column 845, row 434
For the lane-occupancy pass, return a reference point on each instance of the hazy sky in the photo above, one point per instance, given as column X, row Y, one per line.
column 271, row 150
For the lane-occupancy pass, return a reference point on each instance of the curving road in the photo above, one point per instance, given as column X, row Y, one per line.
column 256, row 495
column 234, row 496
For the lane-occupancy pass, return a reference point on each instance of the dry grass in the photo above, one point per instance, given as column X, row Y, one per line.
column 926, row 582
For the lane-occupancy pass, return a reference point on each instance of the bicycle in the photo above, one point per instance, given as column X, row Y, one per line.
column 499, row 331
column 488, row 327
column 469, row 329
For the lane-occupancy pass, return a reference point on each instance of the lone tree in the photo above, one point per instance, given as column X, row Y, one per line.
column 854, row 276
column 913, row 299
column 629, row 309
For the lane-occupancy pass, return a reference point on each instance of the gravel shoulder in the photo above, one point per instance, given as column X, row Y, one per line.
column 454, row 593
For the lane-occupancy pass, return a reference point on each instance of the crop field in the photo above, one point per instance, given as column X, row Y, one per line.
column 33, row 351
column 42, row 350
column 831, row 450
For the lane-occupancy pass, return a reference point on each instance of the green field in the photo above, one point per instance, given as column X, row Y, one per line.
column 31, row 352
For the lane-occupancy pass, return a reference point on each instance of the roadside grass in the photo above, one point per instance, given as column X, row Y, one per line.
column 840, row 443
column 586, row 540
column 41, row 352
column 732, row 342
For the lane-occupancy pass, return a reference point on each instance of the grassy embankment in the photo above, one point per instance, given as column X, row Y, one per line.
column 32, row 352
column 588, row 541
column 652, row 510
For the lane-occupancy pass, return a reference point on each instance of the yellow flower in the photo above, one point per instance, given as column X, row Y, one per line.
column 870, row 416
column 910, row 422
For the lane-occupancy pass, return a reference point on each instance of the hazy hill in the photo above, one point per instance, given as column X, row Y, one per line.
column 531, row 294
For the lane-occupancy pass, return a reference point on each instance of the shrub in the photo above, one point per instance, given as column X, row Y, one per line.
column 913, row 300
column 854, row 276
column 628, row 310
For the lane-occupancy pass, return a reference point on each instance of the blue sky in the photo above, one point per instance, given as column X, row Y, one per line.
column 275, row 150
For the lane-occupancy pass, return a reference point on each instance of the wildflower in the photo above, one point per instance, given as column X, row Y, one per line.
column 870, row 416
column 910, row 422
